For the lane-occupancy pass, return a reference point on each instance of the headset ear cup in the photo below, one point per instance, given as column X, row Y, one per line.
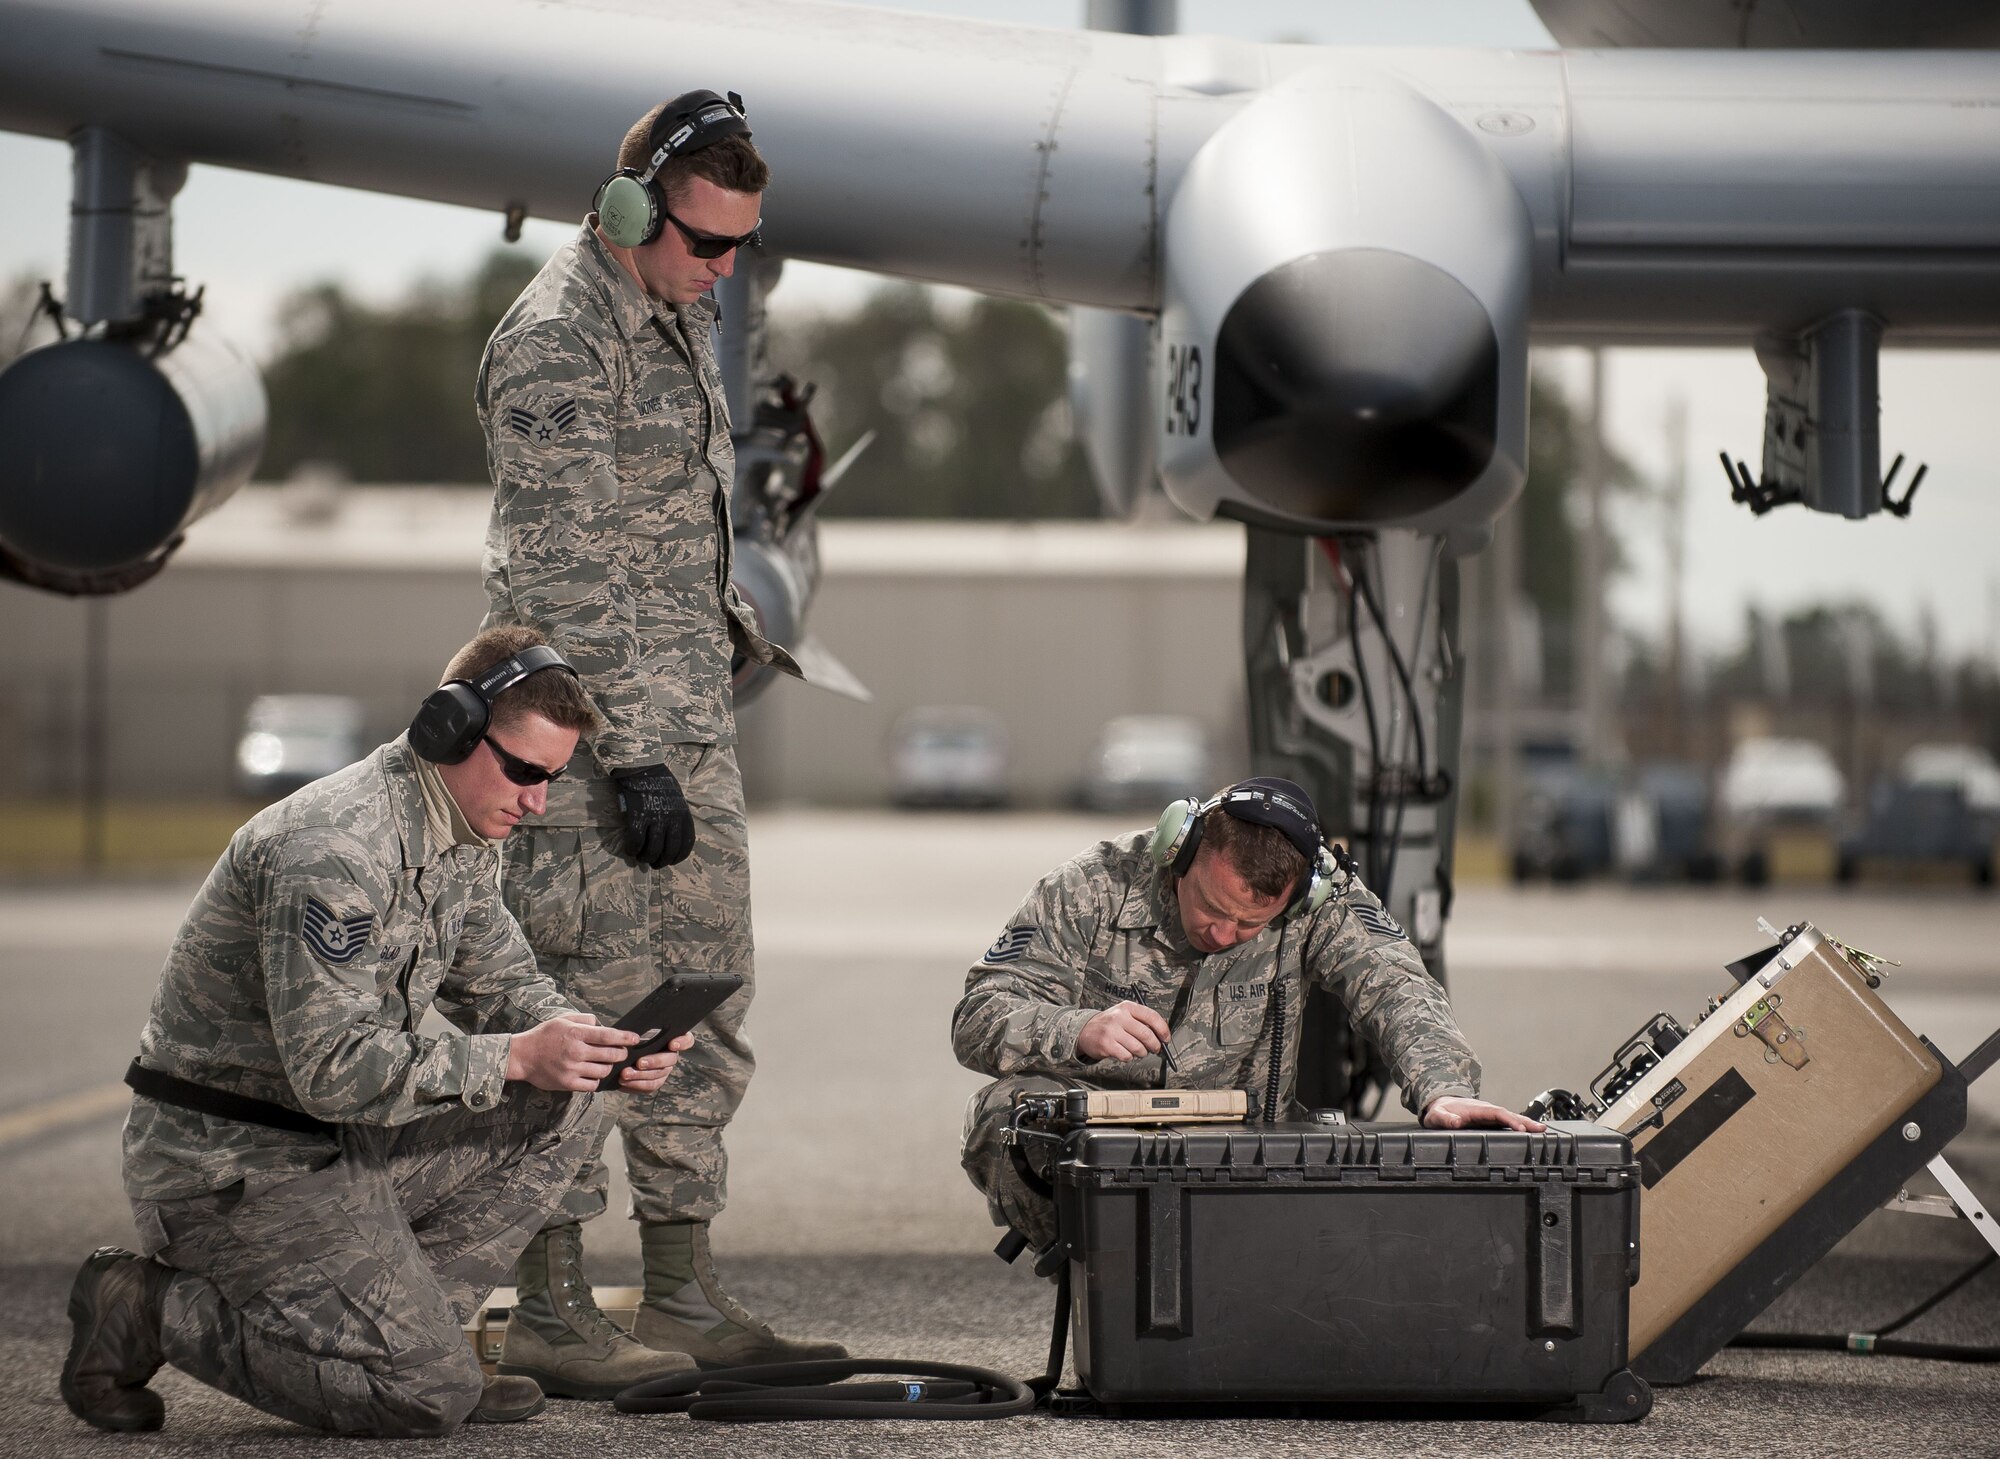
column 449, row 724
column 1319, row 886
column 627, row 210
column 1167, row 834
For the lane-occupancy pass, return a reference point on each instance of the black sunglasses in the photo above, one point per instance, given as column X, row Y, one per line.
column 521, row 772
column 712, row 245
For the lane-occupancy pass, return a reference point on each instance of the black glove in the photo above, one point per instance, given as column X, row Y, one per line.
column 658, row 829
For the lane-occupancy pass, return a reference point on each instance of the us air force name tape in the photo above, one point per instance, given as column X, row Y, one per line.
column 453, row 719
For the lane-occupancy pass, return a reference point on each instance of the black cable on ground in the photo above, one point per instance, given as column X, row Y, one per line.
column 793, row 1392
column 1879, row 1343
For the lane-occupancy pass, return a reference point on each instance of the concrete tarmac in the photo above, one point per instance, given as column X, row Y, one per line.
column 849, row 1217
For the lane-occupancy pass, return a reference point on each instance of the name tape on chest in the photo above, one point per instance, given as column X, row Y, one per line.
column 1010, row 945
column 333, row 938
column 1379, row 922
column 544, row 428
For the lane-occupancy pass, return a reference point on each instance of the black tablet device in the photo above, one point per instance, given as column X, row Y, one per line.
column 669, row 1011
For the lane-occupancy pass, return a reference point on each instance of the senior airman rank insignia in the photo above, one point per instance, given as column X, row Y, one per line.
column 1009, row 946
column 335, row 939
column 541, row 429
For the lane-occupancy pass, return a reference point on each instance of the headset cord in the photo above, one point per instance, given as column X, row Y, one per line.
column 1271, row 1082
column 789, row 1392
column 1880, row 1343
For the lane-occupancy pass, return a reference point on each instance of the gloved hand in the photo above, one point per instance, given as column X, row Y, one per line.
column 659, row 831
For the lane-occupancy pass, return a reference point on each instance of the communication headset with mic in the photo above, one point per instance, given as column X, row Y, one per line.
column 454, row 717
column 1265, row 801
column 629, row 206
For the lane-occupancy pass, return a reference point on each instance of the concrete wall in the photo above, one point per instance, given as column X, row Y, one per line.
column 1057, row 627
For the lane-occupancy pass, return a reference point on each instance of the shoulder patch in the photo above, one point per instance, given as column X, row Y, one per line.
column 1010, row 944
column 1379, row 922
column 543, row 428
column 335, row 939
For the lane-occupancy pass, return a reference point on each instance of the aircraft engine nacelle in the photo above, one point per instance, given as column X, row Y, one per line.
column 111, row 451
column 1343, row 339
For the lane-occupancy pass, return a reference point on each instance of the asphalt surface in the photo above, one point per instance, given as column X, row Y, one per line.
column 849, row 1217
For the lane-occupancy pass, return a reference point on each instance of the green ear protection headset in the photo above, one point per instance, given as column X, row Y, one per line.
column 1264, row 801
column 629, row 207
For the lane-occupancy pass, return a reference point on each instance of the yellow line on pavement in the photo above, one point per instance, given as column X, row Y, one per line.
column 53, row 1114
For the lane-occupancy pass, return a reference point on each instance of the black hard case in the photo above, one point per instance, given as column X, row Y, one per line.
column 1306, row 1263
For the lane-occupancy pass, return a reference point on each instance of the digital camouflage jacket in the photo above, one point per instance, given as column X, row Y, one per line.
column 1105, row 928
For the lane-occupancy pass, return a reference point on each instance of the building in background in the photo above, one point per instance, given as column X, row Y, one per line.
column 363, row 591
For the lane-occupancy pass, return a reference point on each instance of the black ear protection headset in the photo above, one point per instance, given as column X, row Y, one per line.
column 453, row 718
column 1263, row 801
column 629, row 206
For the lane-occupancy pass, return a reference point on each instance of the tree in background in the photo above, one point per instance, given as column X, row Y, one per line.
column 385, row 394
column 1552, row 513
column 968, row 406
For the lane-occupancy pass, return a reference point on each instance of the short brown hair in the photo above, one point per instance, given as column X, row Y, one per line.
column 1262, row 855
column 733, row 163
column 557, row 697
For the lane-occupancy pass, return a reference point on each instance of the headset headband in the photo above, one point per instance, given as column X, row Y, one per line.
column 1266, row 800
column 504, row 675
column 696, row 119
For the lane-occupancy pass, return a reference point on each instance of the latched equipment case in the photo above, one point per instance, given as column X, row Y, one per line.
column 1307, row 1263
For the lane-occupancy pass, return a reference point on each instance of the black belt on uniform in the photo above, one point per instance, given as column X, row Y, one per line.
column 168, row 1089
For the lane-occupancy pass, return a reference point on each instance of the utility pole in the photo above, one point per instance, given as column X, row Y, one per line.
column 1674, row 507
column 1592, row 696
column 1506, row 676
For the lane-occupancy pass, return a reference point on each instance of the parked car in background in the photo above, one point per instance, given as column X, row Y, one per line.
column 290, row 740
column 1941, row 810
column 1142, row 761
column 1968, row 767
column 1564, row 824
column 1781, row 801
column 949, row 755
column 1665, row 829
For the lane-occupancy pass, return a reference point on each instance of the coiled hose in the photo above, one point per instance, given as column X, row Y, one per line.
column 789, row 1392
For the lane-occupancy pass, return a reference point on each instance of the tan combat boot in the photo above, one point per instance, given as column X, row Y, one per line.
column 557, row 1335
column 686, row 1311
column 507, row 1400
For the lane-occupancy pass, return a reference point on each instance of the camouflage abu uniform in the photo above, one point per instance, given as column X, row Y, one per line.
column 325, row 1279
column 608, row 442
column 1105, row 928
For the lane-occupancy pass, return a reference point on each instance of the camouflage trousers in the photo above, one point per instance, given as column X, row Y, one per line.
column 989, row 1160
column 336, row 1299
column 608, row 932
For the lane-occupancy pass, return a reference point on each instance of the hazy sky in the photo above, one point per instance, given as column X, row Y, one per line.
column 254, row 239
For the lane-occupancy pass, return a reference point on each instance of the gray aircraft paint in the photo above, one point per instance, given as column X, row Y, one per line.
column 1664, row 196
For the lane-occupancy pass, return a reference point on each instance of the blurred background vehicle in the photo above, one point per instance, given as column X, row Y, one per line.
column 950, row 756
column 290, row 740
column 1941, row 810
column 1665, row 831
column 1968, row 767
column 1142, row 761
column 1563, row 829
column 1781, row 801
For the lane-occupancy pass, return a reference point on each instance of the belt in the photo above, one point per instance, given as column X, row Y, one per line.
column 168, row 1089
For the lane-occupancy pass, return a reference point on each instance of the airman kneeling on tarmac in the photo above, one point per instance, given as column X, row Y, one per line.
column 323, row 1193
